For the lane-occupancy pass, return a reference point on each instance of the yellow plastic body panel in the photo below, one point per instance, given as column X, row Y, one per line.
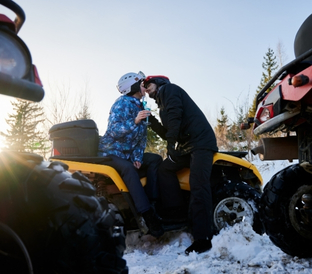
column 241, row 162
column 183, row 175
column 96, row 168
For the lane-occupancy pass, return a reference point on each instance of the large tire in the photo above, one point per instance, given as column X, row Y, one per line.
column 280, row 209
column 63, row 225
column 235, row 201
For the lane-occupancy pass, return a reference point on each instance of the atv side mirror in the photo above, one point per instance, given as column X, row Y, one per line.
column 245, row 126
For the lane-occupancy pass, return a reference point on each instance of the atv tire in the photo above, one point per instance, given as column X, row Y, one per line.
column 63, row 225
column 281, row 208
column 235, row 201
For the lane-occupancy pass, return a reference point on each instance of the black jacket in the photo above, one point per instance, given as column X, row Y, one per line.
column 183, row 121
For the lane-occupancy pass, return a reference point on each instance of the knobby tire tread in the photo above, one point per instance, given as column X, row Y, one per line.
column 274, row 210
column 65, row 227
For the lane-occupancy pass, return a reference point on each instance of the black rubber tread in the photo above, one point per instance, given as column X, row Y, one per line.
column 235, row 188
column 274, row 210
column 64, row 226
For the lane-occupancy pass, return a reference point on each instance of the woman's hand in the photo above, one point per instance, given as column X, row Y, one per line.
column 141, row 116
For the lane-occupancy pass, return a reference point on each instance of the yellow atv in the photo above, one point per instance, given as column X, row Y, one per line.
column 235, row 182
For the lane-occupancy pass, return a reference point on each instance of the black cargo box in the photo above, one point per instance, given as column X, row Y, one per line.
column 75, row 138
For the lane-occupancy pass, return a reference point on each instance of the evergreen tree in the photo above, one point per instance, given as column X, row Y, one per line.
column 235, row 135
column 269, row 65
column 23, row 134
column 229, row 135
column 155, row 143
column 223, row 121
column 221, row 130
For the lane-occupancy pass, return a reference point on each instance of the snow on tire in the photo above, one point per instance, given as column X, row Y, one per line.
column 234, row 202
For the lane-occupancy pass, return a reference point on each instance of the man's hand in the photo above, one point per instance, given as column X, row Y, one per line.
column 172, row 154
column 137, row 164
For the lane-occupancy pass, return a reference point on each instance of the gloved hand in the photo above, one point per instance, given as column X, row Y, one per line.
column 172, row 154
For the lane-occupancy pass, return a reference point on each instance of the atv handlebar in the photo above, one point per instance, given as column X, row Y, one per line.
column 20, row 15
column 20, row 88
column 25, row 88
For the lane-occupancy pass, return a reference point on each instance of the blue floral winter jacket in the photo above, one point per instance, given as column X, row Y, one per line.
column 123, row 137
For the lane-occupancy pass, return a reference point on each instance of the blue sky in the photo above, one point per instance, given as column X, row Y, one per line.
column 212, row 49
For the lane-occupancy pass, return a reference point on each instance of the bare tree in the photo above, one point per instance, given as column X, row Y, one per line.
column 84, row 102
column 61, row 106
column 280, row 54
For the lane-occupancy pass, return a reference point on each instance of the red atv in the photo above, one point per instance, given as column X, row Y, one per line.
column 286, row 202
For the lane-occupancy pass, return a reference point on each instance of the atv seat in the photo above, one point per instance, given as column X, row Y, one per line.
column 239, row 154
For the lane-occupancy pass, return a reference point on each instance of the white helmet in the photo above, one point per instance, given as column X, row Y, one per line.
column 127, row 80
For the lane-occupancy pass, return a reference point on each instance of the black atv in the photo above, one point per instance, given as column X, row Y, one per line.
column 51, row 221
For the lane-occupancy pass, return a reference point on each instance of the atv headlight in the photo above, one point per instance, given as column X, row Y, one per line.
column 15, row 59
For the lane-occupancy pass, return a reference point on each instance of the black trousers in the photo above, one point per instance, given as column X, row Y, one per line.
column 149, row 169
column 200, row 207
column 131, row 177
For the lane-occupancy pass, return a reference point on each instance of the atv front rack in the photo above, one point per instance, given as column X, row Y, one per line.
column 280, row 73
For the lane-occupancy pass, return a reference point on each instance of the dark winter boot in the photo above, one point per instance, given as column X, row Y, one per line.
column 153, row 223
column 199, row 246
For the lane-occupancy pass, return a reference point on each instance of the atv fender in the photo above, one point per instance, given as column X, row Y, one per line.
column 225, row 159
column 100, row 169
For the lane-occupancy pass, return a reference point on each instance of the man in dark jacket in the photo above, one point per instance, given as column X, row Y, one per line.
column 191, row 143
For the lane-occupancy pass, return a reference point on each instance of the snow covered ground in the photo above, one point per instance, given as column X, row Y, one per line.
column 236, row 249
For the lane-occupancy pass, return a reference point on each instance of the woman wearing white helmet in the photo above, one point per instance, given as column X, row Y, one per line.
column 124, row 142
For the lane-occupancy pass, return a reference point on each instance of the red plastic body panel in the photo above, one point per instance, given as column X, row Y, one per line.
column 7, row 21
column 290, row 93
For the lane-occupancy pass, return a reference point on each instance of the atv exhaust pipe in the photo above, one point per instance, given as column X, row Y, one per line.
column 278, row 148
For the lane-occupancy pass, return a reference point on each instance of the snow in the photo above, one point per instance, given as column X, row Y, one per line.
column 236, row 249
